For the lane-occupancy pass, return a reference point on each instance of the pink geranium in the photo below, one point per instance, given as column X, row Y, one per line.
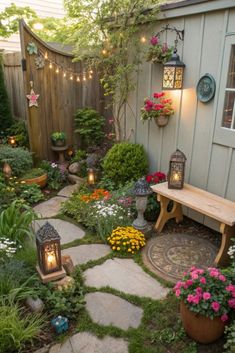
column 153, row 108
column 215, row 306
column 224, row 317
column 154, row 40
column 231, row 303
column 206, row 295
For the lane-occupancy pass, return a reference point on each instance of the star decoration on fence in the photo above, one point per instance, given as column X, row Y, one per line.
column 32, row 97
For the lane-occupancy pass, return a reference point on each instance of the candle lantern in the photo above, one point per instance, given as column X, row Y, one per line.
column 91, row 176
column 7, row 170
column 60, row 324
column 12, row 141
column 176, row 170
column 173, row 73
column 49, row 253
column 141, row 190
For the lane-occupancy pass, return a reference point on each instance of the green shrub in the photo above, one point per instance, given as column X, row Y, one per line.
column 16, row 327
column 33, row 173
column 89, row 124
column 125, row 162
column 31, row 193
column 19, row 130
column 19, row 159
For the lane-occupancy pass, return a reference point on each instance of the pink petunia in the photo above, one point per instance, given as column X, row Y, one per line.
column 222, row 278
column 230, row 288
column 206, row 295
column 215, row 306
column 177, row 292
column 194, row 275
column 154, row 40
column 190, row 298
column 214, row 273
column 189, row 282
column 203, row 280
column 231, row 303
column 224, row 317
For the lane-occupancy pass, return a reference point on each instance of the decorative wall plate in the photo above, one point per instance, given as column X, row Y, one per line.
column 206, row 88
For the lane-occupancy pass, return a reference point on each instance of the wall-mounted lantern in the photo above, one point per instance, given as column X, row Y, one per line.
column 176, row 170
column 49, row 254
column 173, row 73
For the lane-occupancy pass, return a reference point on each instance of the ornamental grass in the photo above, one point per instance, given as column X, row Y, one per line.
column 126, row 240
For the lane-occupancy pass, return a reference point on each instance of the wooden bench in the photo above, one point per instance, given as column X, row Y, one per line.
column 202, row 201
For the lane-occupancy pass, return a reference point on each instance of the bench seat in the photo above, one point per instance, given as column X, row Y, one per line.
column 201, row 201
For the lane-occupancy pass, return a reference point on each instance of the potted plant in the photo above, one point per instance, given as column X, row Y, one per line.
column 35, row 176
column 158, row 52
column 159, row 108
column 153, row 207
column 58, row 138
column 207, row 298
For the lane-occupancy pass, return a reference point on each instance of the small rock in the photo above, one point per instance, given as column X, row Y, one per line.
column 68, row 265
column 74, row 179
column 64, row 283
column 74, row 168
column 35, row 305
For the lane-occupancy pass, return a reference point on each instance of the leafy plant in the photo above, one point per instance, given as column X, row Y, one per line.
column 56, row 175
column 89, row 124
column 55, row 136
column 230, row 338
column 19, row 159
column 31, row 193
column 78, row 156
column 125, row 162
column 33, row 173
column 19, row 130
column 15, row 223
column 16, row 327
column 159, row 52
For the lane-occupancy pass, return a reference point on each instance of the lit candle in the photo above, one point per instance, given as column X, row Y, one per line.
column 51, row 260
column 12, row 140
column 176, row 176
column 91, row 177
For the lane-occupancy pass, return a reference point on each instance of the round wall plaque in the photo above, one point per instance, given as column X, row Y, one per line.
column 206, row 88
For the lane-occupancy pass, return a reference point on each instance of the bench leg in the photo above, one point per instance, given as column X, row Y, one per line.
column 165, row 215
column 222, row 258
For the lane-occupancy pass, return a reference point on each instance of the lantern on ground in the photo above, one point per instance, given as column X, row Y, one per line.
column 176, row 170
column 49, row 254
column 7, row 170
column 173, row 73
column 91, row 176
column 12, row 141
column 141, row 190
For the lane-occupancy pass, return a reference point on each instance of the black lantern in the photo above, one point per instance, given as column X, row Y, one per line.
column 48, row 249
column 173, row 73
column 176, row 170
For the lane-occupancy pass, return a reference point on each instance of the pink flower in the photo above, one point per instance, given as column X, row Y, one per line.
column 215, row 306
column 164, row 47
column 224, row 317
column 193, row 268
column 222, row 278
column 203, row 280
column 214, row 273
column 158, row 95
column 193, row 299
column 154, row 40
column 206, row 295
column 230, row 288
column 158, row 106
column 177, row 292
column 148, row 178
column 231, row 303
column 199, row 290
column 190, row 298
column 194, row 275
column 196, row 299
column 189, row 282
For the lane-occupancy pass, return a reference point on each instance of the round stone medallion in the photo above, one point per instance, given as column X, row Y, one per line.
column 173, row 254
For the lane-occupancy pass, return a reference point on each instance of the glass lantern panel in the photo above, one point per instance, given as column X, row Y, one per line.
column 178, row 78
column 176, row 173
column 51, row 257
column 168, row 77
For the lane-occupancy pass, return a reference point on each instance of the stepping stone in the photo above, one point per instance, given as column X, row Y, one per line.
column 49, row 208
column 85, row 342
column 126, row 276
column 68, row 232
column 108, row 309
column 68, row 190
column 83, row 253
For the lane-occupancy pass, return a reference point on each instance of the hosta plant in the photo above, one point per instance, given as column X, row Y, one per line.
column 207, row 292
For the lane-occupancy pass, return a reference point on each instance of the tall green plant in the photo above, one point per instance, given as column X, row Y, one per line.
column 106, row 32
column 6, row 119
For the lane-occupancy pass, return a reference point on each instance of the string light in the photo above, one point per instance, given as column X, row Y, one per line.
column 143, row 39
column 64, row 74
column 78, row 79
column 104, row 51
column 90, row 76
column 71, row 77
column 50, row 66
column 84, row 78
column 46, row 56
column 57, row 70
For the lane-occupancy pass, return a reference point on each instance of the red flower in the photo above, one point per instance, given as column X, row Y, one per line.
column 159, row 95
column 158, row 106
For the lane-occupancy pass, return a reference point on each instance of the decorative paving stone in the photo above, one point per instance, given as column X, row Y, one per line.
column 124, row 275
column 108, row 309
column 49, row 208
column 85, row 342
column 83, row 253
column 68, row 232
column 68, row 190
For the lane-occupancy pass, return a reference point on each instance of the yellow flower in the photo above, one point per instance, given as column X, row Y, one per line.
column 124, row 244
column 22, row 182
column 129, row 250
column 114, row 247
column 118, row 248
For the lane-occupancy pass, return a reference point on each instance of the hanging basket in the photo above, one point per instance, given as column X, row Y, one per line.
column 201, row 328
column 161, row 120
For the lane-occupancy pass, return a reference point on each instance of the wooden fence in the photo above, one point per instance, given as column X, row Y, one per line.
column 59, row 96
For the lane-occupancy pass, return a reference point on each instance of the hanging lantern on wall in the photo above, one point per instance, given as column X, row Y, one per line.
column 49, row 254
column 176, row 170
column 173, row 73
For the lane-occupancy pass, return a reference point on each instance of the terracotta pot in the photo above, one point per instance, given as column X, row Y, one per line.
column 41, row 180
column 201, row 328
column 161, row 120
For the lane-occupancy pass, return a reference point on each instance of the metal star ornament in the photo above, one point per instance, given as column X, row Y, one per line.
column 32, row 97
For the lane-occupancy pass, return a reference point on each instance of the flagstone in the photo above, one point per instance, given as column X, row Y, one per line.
column 83, row 253
column 50, row 208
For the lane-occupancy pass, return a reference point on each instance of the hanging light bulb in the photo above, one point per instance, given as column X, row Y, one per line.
column 90, row 76
column 71, row 77
column 104, row 52
column 143, row 39
column 84, row 78
column 91, row 72
column 50, row 66
column 45, row 56
column 57, row 70
column 64, row 74
column 78, row 79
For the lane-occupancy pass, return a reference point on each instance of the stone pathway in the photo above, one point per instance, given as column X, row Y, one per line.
column 121, row 274
column 83, row 253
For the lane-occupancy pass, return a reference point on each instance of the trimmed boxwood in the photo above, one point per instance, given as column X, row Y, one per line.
column 125, row 162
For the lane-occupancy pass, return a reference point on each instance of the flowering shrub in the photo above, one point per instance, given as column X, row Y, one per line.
column 158, row 52
column 159, row 105
column 155, row 178
column 56, row 174
column 207, row 292
column 97, row 194
column 126, row 240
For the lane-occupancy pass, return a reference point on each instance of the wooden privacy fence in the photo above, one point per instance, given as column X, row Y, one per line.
column 59, row 96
